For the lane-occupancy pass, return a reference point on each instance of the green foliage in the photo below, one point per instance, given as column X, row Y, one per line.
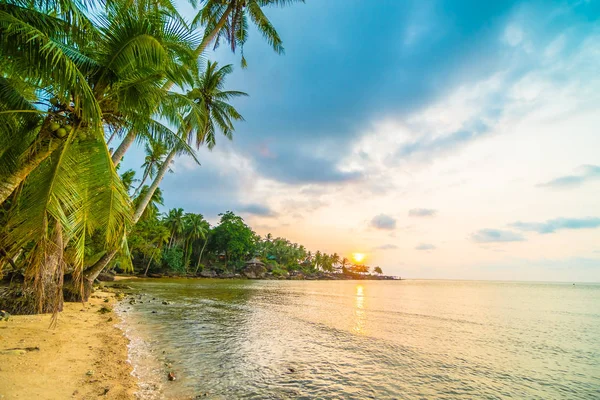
column 233, row 238
column 172, row 260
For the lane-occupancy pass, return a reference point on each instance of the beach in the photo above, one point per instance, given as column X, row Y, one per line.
column 83, row 357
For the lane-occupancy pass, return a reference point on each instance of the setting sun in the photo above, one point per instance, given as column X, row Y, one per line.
column 358, row 257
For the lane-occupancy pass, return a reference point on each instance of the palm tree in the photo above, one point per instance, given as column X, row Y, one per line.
column 174, row 221
column 105, row 73
column 227, row 20
column 195, row 228
column 151, row 211
column 155, row 156
column 213, row 113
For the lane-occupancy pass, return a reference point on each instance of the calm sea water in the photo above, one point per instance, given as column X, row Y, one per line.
column 371, row 339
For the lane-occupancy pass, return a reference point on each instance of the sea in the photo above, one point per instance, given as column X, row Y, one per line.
column 409, row 339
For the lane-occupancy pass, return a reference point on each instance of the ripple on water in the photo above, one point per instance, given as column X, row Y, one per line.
column 456, row 340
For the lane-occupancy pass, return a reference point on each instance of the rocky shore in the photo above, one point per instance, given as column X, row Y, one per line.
column 258, row 274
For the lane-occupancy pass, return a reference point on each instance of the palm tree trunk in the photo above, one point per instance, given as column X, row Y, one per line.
column 200, row 257
column 159, row 176
column 123, row 147
column 148, row 266
column 10, row 183
column 90, row 274
column 146, row 173
column 110, row 139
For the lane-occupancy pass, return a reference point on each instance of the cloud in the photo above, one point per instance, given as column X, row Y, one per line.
column 422, row 212
column 557, row 224
column 496, row 236
column 425, row 246
column 429, row 146
column 384, row 222
column 257, row 209
column 386, row 247
column 588, row 173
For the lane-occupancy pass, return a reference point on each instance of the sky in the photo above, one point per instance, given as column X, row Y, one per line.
column 444, row 139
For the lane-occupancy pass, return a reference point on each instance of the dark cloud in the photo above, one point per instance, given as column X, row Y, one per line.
column 386, row 247
column 496, row 236
column 290, row 166
column 425, row 246
column 557, row 224
column 256, row 209
column 384, row 222
column 422, row 212
column 307, row 108
column 588, row 173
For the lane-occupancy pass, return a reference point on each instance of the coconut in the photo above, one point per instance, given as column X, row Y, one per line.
column 61, row 132
column 54, row 126
column 68, row 128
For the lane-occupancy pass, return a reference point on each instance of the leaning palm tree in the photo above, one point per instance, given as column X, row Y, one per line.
column 155, row 155
column 214, row 114
column 225, row 20
column 109, row 74
column 151, row 211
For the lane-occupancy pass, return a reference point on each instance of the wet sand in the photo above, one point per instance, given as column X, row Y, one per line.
column 83, row 357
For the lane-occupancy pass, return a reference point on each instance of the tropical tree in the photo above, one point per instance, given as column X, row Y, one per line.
column 225, row 20
column 378, row 271
column 174, row 222
column 233, row 238
column 64, row 78
column 195, row 228
column 155, row 155
column 212, row 113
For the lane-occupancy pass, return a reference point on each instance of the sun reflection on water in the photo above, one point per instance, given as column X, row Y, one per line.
column 359, row 312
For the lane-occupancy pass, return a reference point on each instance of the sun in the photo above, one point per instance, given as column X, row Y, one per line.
column 358, row 257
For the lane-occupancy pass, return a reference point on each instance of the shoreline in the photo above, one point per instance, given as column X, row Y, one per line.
column 85, row 356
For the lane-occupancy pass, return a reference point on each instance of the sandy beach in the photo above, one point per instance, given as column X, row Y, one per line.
column 83, row 357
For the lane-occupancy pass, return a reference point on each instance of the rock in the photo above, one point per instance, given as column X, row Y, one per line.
column 254, row 272
column 208, row 273
column 171, row 376
column 105, row 391
column 292, row 370
column 166, row 303
column 106, row 277
column 109, row 320
column 4, row 315
column 105, row 310
column 153, row 311
column 120, row 286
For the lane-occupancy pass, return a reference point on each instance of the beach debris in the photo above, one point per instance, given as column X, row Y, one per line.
column 105, row 391
column 105, row 310
column 106, row 300
column 90, row 373
column 153, row 311
column 166, row 303
column 19, row 350
column 171, row 376
column 291, row 370
column 109, row 320
column 4, row 315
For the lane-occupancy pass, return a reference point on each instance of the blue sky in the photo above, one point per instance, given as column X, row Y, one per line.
column 446, row 139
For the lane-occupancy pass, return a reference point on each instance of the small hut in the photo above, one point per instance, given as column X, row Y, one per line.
column 255, row 269
column 255, row 262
